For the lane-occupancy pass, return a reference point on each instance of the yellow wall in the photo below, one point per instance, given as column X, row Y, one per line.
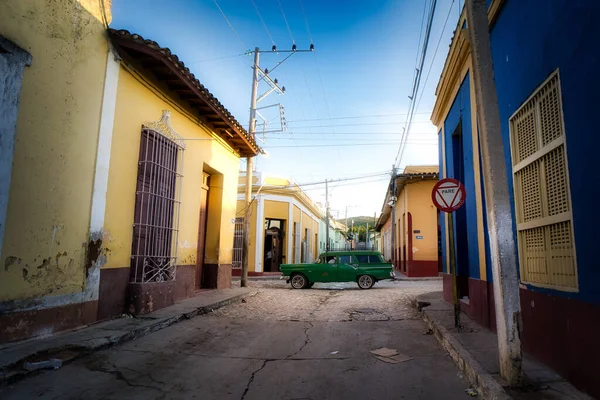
column 424, row 219
column 276, row 181
column 276, row 209
column 136, row 104
column 48, row 216
column 401, row 230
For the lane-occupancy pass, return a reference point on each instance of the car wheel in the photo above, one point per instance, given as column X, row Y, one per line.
column 299, row 281
column 365, row 281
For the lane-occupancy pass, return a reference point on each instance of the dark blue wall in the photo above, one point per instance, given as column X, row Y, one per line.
column 530, row 40
column 461, row 111
column 442, row 215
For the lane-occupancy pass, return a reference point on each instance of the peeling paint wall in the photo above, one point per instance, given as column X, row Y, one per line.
column 136, row 104
column 46, row 246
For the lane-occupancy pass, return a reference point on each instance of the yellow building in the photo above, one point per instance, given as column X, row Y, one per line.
column 413, row 246
column 173, row 176
column 284, row 225
column 49, row 279
column 72, row 120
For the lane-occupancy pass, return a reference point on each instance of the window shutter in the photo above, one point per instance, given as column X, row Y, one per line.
column 541, row 190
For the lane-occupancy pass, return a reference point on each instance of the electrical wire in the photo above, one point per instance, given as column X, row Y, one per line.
column 229, row 23
column 350, row 145
column 355, row 133
column 435, row 53
column 286, row 22
column 406, row 130
column 362, row 116
column 382, row 140
column 305, row 21
column 215, row 59
column 361, row 124
column 263, row 22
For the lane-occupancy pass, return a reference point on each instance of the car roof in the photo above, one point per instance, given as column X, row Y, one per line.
column 346, row 252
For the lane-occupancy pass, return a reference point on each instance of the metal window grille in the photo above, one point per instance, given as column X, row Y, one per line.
column 308, row 247
column 541, row 187
column 238, row 243
column 157, row 208
column 296, row 242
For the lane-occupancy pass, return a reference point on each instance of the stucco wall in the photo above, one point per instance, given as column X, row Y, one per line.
column 424, row 219
column 529, row 42
column 136, row 104
column 48, row 217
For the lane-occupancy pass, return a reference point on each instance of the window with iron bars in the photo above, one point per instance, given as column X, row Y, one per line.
column 238, row 243
column 541, row 190
column 157, row 207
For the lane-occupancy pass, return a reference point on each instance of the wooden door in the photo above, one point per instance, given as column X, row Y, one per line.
column 202, row 229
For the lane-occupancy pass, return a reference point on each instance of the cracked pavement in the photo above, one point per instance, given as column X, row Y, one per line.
column 279, row 344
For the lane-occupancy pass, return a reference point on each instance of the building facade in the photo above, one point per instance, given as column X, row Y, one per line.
column 284, row 225
column 174, row 159
column 546, row 82
column 53, row 58
column 82, row 112
column 414, row 245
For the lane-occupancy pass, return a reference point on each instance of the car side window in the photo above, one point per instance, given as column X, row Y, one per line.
column 330, row 259
column 362, row 259
column 345, row 259
column 374, row 259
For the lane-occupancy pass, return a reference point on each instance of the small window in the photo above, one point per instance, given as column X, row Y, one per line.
column 541, row 190
column 362, row 259
column 330, row 259
column 375, row 259
column 344, row 259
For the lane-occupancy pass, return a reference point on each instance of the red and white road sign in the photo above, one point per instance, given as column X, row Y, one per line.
column 448, row 195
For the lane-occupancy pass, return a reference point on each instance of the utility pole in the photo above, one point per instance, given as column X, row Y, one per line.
column 327, row 217
column 248, row 197
column 374, row 231
column 497, row 200
column 257, row 76
column 393, row 204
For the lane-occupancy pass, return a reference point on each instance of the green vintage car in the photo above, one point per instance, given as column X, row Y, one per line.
column 363, row 267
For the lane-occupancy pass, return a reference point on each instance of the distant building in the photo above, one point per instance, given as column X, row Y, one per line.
column 284, row 225
column 546, row 64
column 414, row 249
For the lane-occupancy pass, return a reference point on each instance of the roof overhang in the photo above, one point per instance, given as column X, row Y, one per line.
column 168, row 70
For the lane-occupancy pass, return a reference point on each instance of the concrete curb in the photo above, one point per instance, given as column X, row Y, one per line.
column 485, row 384
column 13, row 373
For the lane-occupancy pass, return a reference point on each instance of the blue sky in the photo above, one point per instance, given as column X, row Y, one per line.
column 363, row 67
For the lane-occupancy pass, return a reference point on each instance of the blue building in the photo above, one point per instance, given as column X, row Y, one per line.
column 546, row 57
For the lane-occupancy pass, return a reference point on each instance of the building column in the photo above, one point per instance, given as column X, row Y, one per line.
column 107, row 118
column 260, row 233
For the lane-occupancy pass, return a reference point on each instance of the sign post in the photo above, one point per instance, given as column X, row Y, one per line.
column 449, row 195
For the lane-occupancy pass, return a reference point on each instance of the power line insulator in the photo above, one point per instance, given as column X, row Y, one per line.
column 283, row 89
column 294, row 47
column 274, row 48
column 266, row 71
column 312, row 47
column 276, row 82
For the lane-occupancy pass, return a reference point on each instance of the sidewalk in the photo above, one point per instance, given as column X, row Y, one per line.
column 401, row 277
column 475, row 351
column 20, row 359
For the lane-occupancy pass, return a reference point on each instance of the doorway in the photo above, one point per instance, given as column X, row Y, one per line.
column 460, row 216
column 204, row 188
column 273, row 248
